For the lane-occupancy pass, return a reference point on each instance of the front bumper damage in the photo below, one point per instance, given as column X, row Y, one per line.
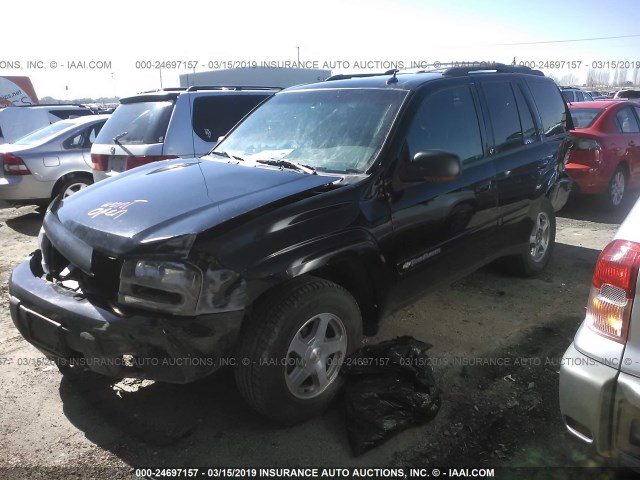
column 67, row 326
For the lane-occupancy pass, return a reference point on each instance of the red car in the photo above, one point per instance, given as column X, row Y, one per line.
column 604, row 158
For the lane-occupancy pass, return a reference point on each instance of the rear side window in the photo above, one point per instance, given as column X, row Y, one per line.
column 214, row 116
column 585, row 117
column 138, row 123
column 568, row 95
column 503, row 112
column 628, row 94
column 447, row 120
column 626, row 121
column 550, row 106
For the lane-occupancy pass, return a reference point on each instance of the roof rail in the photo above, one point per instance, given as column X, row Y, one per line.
column 492, row 67
column 168, row 89
column 344, row 76
column 196, row 88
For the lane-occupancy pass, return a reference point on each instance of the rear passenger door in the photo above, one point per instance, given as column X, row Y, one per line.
column 524, row 164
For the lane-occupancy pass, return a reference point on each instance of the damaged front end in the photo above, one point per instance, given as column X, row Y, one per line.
column 159, row 312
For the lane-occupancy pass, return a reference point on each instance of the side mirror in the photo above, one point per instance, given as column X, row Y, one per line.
column 432, row 166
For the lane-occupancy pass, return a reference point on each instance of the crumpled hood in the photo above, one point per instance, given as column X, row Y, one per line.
column 164, row 200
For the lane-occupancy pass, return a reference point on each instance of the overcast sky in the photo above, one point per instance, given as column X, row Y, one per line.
column 120, row 33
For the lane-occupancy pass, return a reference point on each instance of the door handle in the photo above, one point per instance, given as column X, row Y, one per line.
column 485, row 187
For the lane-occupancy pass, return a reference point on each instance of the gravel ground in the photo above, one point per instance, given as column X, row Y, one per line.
column 497, row 341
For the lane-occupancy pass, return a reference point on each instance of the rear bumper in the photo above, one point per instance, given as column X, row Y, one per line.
column 67, row 326
column 586, row 396
column 589, row 180
column 24, row 188
column 600, row 405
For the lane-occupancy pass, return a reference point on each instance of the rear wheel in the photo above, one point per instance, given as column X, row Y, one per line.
column 292, row 347
column 614, row 195
column 72, row 185
column 540, row 245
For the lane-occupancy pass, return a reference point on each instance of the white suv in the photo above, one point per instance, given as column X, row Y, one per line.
column 170, row 123
column 600, row 372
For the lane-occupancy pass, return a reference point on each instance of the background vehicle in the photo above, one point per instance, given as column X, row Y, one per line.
column 326, row 208
column 597, row 95
column 600, row 372
column 50, row 161
column 604, row 158
column 181, row 122
column 15, row 122
column 628, row 94
column 572, row 94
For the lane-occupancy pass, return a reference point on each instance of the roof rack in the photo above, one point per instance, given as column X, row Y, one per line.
column 491, row 67
column 168, row 89
column 344, row 76
column 196, row 88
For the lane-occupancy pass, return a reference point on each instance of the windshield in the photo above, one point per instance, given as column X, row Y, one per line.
column 143, row 122
column 585, row 117
column 338, row 130
column 43, row 133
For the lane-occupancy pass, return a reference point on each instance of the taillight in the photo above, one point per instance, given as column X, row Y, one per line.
column 613, row 288
column 13, row 165
column 583, row 150
column 100, row 162
column 133, row 162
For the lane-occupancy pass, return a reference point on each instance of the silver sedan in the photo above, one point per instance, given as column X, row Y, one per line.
column 54, row 160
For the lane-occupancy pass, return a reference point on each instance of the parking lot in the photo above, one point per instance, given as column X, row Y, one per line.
column 497, row 343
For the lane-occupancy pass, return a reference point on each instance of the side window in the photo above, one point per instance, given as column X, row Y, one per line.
column 76, row 141
column 447, row 120
column 503, row 113
column 568, row 95
column 579, row 96
column 529, row 131
column 587, row 97
column 215, row 115
column 550, row 106
column 626, row 121
column 93, row 133
column 637, row 109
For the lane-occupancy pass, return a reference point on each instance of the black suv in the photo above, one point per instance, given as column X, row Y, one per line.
column 329, row 206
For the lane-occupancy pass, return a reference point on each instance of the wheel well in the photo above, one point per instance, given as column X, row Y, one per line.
column 625, row 166
column 351, row 274
column 66, row 177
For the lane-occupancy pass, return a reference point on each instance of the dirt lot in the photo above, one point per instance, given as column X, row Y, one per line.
column 499, row 415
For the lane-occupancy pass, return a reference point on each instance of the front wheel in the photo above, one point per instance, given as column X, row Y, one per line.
column 537, row 254
column 292, row 347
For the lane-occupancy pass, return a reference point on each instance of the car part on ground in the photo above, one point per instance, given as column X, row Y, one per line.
column 328, row 207
column 50, row 161
column 172, row 123
column 600, row 373
column 390, row 387
column 604, row 156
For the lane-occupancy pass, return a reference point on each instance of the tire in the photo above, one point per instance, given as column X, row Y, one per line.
column 282, row 351
column 534, row 259
column 72, row 185
column 615, row 194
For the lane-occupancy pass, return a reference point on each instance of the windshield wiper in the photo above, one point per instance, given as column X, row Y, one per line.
column 225, row 154
column 290, row 165
column 117, row 138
